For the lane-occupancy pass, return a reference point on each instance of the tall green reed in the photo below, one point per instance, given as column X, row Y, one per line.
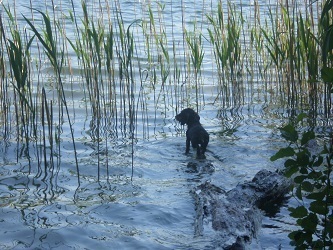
column 17, row 46
column 326, row 29
column 274, row 38
column 159, row 60
column 88, row 49
column 194, row 42
column 131, row 66
column 225, row 38
column 3, row 89
column 56, row 59
column 95, row 48
column 291, row 40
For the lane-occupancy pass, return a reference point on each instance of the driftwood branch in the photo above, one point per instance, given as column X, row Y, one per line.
column 235, row 215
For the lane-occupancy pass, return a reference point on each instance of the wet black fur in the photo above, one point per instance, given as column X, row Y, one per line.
column 195, row 133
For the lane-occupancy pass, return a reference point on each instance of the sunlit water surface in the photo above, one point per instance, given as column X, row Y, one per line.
column 44, row 208
column 153, row 211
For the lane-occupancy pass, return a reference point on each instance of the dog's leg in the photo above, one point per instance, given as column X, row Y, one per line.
column 198, row 151
column 203, row 149
column 200, row 154
column 187, row 145
column 204, row 145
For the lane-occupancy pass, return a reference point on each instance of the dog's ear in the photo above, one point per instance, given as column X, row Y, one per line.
column 186, row 117
column 196, row 117
column 193, row 116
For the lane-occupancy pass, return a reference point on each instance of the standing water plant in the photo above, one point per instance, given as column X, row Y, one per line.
column 49, row 42
column 197, row 54
column 225, row 37
column 19, row 59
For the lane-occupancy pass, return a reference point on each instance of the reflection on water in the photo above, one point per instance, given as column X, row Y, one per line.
column 44, row 207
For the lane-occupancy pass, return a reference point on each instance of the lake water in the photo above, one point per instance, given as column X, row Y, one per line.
column 102, row 204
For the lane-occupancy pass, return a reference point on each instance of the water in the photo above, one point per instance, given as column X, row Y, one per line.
column 104, row 205
column 154, row 211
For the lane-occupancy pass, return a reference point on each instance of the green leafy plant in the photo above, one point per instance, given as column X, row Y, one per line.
column 312, row 176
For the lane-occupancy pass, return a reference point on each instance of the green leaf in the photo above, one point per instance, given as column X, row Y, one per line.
column 326, row 150
column 298, row 236
column 301, row 116
column 318, row 196
column 307, row 186
column 289, row 133
column 303, row 170
column 318, row 244
column 330, row 232
column 283, row 152
column 327, row 74
column 303, row 158
column 310, row 222
column 319, row 161
column 298, row 212
column 40, row 38
column 299, row 179
column 314, row 175
column 291, row 170
column 290, row 163
column 326, row 9
column 318, row 207
column 307, row 136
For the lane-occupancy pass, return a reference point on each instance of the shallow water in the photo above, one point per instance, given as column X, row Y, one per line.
column 153, row 211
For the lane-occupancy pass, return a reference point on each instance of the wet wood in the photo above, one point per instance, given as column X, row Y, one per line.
column 235, row 216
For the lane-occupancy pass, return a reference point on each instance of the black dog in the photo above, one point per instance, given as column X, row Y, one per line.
column 195, row 133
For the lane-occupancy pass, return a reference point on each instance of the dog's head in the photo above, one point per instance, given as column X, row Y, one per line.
column 187, row 116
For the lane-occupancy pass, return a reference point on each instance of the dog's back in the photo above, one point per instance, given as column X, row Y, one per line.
column 198, row 136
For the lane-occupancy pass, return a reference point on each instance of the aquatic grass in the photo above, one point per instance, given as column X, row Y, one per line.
column 110, row 89
column 197, row 54
column 50, row 47
column 274, row 38
column 17, row 47
column 47, row 120
column 4, row 92
column 125, row 54
column 165, row 82
column 92, row 42
column 310, row 51
column 136, row 68
column 294, row 50
column 326, row 27
column 225, row 37
column 163, row 59
column 234, row 26
column 159, row 65
column 288, row 18
column 218, row 40
column 326, row 30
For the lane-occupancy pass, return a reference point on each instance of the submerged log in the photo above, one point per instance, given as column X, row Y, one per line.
column 235, row 215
